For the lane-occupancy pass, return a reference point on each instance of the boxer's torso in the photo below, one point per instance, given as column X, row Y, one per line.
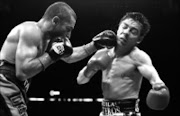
column 121, row 79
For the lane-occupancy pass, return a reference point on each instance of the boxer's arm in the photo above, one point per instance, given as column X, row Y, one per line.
column 82, row 79
column 80, row 53
column 104, row 39
column 89, row 70
column 147, row 69
column 99, row 61
column 158, row 97
column 27, row 63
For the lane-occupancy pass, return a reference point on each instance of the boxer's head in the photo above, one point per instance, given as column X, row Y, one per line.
column 133, row 27
column 62, row 18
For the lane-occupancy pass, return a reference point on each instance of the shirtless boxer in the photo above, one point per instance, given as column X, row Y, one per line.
column 123, row 67
column 31, row 47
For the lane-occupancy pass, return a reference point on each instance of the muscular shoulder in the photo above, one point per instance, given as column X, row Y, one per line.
column 99, row 54
column 29, row 31
column 13, row 36
column 140, row 57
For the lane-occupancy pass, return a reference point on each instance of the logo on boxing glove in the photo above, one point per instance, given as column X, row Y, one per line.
column 58, row 48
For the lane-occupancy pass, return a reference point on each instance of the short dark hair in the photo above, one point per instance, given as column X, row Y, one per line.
column 60, row 9
column 137, row 16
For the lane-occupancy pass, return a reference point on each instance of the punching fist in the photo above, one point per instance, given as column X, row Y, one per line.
column 59, row 47
column 106, row 38
column 98, row 61
column 158, row 97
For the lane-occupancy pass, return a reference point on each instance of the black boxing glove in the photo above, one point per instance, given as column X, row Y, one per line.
column 59, row 47
column 106, row 39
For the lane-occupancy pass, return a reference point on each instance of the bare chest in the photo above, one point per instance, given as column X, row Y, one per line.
column 42, row 47
column 122, row 67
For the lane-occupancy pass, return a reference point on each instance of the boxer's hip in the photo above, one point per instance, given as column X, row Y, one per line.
column 9, row 79
column 120, row 107
column 13, row 95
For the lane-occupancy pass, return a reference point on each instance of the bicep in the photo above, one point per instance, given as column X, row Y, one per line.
column 150, row 73
column 25, row 52
column 146, row 68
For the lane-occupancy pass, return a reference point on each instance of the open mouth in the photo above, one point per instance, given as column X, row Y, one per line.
column 123, row 41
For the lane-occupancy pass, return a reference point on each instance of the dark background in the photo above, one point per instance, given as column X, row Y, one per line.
column 95, row 16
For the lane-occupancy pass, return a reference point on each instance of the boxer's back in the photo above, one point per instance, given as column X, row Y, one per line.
column 8, row 50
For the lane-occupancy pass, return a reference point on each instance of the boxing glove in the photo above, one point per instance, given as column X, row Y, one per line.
column 60, row 47
column 106, row 38
column 99, row 61
column 158, row 97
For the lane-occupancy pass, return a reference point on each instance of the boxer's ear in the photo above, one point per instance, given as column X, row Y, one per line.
column 140, row 39
column 56, row 20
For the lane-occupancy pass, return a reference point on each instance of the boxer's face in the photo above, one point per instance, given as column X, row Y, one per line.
column 64, row 28
column 128, row 33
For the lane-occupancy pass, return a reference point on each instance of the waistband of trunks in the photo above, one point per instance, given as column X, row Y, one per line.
column 118, row 106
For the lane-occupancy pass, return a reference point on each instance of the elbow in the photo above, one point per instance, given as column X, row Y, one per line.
column 81, row 79
column 22, row 75
column 78, row 81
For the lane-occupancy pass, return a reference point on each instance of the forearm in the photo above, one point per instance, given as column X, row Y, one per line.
column 45, row 61
column 80, row 53
column 150, row 73
column 86, row 74
column 105, row 39
column 154, row 77
column 33, row 67
column 82, row 79
column 156, row 80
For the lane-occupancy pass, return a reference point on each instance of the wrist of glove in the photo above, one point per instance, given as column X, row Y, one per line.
column 106, row 39
column 159, row 86
column 60, row 47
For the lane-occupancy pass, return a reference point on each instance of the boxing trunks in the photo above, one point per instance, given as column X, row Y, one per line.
column 128, row 107
column 13, row 97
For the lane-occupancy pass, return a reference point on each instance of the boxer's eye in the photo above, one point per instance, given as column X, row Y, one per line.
column 134, row 31
column 69, row 29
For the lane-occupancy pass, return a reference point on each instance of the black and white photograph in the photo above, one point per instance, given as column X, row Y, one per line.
column 89, row 57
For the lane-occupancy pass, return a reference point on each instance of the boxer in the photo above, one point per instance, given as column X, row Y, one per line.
column 31, row 47
column 123, row 68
